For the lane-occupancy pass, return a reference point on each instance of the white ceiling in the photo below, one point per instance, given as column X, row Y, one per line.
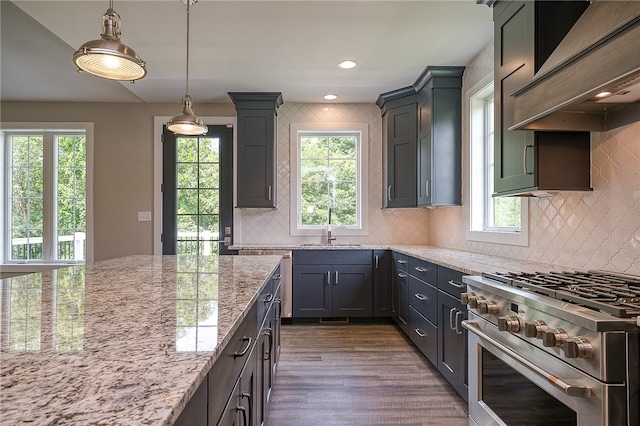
column 291, row 47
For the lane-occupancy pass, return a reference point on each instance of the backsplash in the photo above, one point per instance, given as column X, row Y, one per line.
column 580, row 230
column 388, row 226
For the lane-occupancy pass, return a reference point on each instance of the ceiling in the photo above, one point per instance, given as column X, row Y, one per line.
column 291, row 47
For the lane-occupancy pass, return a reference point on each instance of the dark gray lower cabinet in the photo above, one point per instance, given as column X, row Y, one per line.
column 241, row 408
column 382, row 277
column 400, row 291
column 332, row 284
column 452, row 338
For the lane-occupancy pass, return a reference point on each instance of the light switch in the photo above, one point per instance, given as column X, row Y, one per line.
column 144, row 216
column 227, row 230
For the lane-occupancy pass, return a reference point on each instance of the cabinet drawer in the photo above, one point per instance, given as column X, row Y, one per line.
column 450, row 281
column 401, row 262
column 424, row 335
column 266, row 296
column 229, row 364
column 424, row 299
column 427, row 272
column 332, row 257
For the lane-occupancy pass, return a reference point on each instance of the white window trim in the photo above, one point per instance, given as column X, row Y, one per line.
column 34, row 266
column 363, row 174
column 515, row 238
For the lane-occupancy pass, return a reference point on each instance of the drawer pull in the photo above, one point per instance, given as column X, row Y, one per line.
column 402, row 262
column 246, row 348
column 420, row 332
column 455, row 284
column 421, row 297
column 420, row 269
column 456, row 328
column 402, row 276
column 269, row 298
column 269, row 333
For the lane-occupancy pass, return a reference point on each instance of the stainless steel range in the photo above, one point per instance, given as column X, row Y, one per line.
column 553, row 348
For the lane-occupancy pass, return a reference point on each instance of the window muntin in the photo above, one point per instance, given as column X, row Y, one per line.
column 491, row 219
column 46, row 197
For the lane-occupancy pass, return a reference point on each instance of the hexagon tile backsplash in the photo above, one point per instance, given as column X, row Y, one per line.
column 580, row 230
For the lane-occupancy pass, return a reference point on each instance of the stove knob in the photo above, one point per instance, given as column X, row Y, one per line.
column 553, row 338
column 511, row 324
column 578, row 347
column 465, row 297
column 535, row 329
column 473, row 302
column 488, row 307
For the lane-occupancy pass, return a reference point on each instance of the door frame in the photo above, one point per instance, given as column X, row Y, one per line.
column 158, row 122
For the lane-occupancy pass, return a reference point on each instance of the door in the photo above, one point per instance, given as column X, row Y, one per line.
column 401, row 156
column 352, row 291
column 197, row 192
column 312, row 290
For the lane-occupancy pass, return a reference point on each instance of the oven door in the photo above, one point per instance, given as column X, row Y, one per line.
column 512, row 382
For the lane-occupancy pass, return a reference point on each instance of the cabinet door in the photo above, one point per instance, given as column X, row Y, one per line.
column 513, row 68
column 401, row 156
column 402, row 300
column 382, row 279
column 265, row 357
column 425, row 159
column 312, row 291
column 452, row 341
column 256, row 158
column 352, row 291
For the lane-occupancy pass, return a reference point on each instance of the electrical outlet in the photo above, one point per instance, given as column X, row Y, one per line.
column 144, row 216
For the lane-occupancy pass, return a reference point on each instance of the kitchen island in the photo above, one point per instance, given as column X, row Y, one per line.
column 123, row 341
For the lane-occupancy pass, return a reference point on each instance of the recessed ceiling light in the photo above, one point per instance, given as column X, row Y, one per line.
column 330, row 97
column 347, row 64
column 603, row 94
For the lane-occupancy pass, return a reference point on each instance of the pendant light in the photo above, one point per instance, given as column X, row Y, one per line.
column 187, row 123
column 108, row 57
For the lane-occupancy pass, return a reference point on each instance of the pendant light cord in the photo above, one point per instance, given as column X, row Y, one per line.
column 187, row 89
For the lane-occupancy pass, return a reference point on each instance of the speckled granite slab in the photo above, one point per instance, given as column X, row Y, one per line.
column 464, row 261
column 119, row 342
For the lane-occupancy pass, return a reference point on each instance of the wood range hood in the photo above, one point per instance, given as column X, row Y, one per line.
column 601, row 53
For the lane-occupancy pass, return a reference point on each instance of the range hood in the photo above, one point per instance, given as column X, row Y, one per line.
column 601, row 53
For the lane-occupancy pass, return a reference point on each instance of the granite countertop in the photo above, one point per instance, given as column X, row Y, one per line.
column 119, row 342
column 467, row 262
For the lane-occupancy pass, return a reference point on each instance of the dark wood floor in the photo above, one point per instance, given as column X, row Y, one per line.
column 358, row 374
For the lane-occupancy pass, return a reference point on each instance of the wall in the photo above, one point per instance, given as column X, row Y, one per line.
column 388, row 226
column 123, row 169
column 580, row 230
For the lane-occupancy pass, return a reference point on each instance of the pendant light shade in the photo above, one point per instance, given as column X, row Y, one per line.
column 108, row 57
column 187, row 123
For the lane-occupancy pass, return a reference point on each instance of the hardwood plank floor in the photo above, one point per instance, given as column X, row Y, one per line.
column 358, row 374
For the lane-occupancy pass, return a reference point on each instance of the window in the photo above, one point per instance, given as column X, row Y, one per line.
column 491, row 219
column 45, row 198
column 328, row 174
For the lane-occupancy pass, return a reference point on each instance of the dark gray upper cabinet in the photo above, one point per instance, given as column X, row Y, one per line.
column 422, row 134
column 256, row 160
column 526, row 161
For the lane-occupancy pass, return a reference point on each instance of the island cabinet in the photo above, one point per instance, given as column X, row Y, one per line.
column 452, row 338
column 332, row 284
column 527, row 161
column 240, row 382
column 256, row 152
column 400, row 291
column 382, row 277
column 422, row 138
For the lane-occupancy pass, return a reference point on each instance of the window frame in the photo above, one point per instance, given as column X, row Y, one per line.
column 362, row 187
column 6, row 128
column 480, row 196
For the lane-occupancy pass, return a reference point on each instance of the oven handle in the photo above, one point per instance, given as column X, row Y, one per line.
column 578, row 391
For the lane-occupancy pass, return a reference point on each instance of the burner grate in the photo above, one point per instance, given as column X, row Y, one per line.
column 617, row 295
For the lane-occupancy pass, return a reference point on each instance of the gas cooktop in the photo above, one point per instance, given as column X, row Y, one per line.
column 612, row 293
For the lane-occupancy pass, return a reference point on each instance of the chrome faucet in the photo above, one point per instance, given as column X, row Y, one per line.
column 329, row 237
